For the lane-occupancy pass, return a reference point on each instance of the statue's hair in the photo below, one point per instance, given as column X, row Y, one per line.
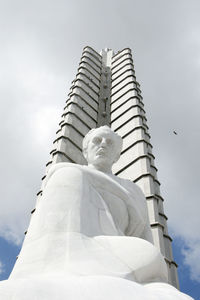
column 105, row 128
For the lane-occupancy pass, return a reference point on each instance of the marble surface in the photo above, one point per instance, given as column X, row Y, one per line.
column 90, row 236
column 96, row 227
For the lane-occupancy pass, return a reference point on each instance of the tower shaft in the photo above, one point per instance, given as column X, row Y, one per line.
column 105, row 92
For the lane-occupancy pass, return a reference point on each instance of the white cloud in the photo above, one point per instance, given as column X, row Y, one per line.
column 191, row 259
column 32, row 101
column 43, row 123
column 11, row 235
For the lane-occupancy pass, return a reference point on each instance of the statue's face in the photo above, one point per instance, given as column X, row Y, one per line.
column 102, row 148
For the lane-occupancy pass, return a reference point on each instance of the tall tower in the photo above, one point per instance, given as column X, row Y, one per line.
column 105, row 92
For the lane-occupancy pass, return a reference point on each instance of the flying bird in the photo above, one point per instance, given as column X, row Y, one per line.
column 175, row 132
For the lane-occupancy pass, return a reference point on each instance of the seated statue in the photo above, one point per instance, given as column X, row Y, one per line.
column 90, row 233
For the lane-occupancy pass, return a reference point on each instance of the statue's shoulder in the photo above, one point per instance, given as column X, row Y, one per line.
column 60, row 165
column 55, row 167
column 130, row 184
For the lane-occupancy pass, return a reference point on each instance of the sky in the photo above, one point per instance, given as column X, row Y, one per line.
column 41, row 45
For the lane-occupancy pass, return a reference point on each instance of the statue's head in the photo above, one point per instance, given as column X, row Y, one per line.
column 102, row 147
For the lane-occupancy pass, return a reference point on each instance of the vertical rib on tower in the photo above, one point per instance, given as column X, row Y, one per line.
column 105, row 91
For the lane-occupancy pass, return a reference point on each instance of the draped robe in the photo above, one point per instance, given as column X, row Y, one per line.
column 89, row 238
column 90, row 223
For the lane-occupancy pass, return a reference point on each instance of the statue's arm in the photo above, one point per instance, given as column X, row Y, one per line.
column 147, row 233
column 137, row 205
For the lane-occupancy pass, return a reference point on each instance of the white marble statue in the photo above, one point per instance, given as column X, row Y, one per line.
column 90, row 237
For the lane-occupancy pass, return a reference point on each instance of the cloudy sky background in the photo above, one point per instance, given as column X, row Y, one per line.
column 41, row 46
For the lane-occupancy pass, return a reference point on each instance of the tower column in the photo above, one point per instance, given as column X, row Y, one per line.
column 106, row 92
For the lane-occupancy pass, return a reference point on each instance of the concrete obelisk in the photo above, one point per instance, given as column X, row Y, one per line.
column 106, row 92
